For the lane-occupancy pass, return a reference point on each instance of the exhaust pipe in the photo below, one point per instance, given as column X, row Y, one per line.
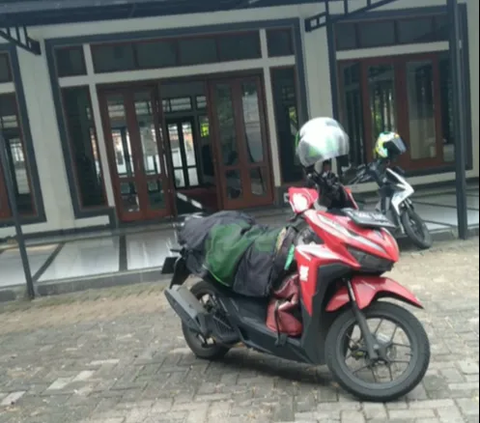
column 189, row 309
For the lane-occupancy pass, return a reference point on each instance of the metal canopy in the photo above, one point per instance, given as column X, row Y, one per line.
column 327, row 18
column 19, row 36
column 48, row 12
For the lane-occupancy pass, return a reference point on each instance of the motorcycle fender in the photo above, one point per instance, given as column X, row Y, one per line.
column 369, row 288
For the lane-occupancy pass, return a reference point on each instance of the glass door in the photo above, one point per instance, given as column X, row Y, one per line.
column 423, row 120
column 183, row 153
column 380, row 101
column 241, row 142
column 402, row 94
column 17, row 159
column 135, row 145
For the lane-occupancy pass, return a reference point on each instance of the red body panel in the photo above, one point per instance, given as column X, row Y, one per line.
column 339, row 234
column 367, row 288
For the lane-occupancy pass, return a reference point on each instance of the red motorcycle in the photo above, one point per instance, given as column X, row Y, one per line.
column 376, row 350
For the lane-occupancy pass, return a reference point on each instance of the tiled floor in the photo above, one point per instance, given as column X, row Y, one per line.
column 104, row 255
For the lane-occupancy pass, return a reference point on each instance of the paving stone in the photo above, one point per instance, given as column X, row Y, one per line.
column 411, row 414
column 469, row 407
column 352, row 416
column 468, row 367
column 120, row 357
column 375, row 411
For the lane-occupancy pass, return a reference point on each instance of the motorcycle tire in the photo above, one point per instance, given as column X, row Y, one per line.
column 378, row 392
column 420, row 236
column 210, row 352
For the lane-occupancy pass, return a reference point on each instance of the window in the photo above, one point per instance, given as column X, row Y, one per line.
column 347, row 36
column 113, row 58
column 239, row 47
column 181, row 104
column 352, row 110
column 280, row 42
column 70, row 61
column 196, row 51
column 425, row 29
column 156, row 54
column 412, row 31
column 377, row 34
column 84, row 146
column 286, row 121
column 201, row 102
column 11, row 129
column 5, row 70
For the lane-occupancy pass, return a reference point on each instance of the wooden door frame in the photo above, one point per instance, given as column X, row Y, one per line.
column 248, row 200
column 399, row 63
column 103, row 94
column 140, row 178
column 150, row 214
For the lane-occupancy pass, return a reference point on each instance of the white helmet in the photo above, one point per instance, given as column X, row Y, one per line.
column 321, row 139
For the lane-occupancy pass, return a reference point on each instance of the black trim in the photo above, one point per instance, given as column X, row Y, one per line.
column 27, row 141
column 51, row 44
column 18, row 35
column 68, row 232
column 397, row 13
column 48, row 262
column 123, row 254
column 446, row 225
column 448, row 206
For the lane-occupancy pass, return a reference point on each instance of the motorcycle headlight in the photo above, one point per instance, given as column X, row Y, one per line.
column 370, row 263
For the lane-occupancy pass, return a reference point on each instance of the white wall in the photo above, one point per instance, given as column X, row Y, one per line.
column 43, row 118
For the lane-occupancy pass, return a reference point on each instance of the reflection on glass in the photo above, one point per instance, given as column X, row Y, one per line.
column 446, row 93
column 258, row 181
column 206, row 156
column 188, row 144
column 120, row 136
column 130, row 201
column 9, row 127
column 423, row 143
column 226, row 124
column 84, row 146
column 175, row 145
column 183, row 154
column 286, row 120
column 193, row 177
column 352, row 112
column 234, row 185
column 381, row 83
column 252, row 122
column 179, row 178
column 156, row 198
column 148, row 134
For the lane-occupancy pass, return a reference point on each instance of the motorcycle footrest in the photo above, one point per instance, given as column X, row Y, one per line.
column 189, row 309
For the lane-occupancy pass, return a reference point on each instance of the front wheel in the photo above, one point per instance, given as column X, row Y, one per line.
column 403, row 349
column 416, row 229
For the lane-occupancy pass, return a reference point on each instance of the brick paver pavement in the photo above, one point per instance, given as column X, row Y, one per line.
column 118, row 356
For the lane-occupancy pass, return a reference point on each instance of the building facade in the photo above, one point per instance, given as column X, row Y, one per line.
column 134, row 120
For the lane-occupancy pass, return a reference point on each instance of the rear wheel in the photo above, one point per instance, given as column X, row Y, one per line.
column 404, row 351
column 203, row 348
column 416, row 229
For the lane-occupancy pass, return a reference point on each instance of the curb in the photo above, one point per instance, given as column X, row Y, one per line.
column 153, row 275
